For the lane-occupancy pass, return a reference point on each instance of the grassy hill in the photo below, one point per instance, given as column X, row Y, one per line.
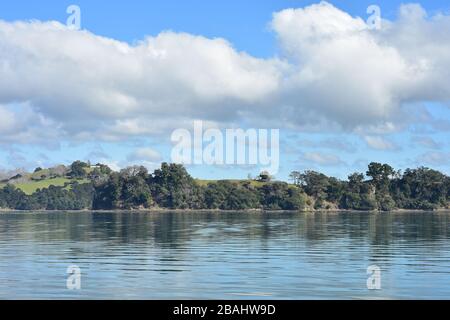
column 59, row 176
column 32, row 186
column 29, row 183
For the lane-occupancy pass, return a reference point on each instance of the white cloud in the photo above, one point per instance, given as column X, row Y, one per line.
column 89, row 83
column 19, row 123
column 145, row 154
column 112, row 164
column 344, row 72
column 322, row 159
column 434, row 158
column 424, row 141
column 8, row 122
column 379, row 143
column 333, row 72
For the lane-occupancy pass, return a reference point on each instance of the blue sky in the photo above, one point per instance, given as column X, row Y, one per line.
column 345, row 145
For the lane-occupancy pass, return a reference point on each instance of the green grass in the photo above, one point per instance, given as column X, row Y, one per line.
column 31, row 187
column 204, row 183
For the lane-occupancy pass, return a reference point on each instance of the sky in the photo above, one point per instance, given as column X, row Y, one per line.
column 341, row 94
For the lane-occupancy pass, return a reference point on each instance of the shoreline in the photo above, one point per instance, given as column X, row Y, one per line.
column 220, row 211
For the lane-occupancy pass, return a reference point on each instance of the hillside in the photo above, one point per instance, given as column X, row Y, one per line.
column 59, row 176
column 83, row 186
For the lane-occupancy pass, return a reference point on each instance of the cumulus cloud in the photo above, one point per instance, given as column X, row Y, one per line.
column 113, row 165
column 337, row 144
column 380, row 143
column 19, row 123
column 333, row 72
column 145, row 154
column 434, row 159
column 322, row 159
column 426, row 142
column 89, row 83
column 147, row 157
column 345, row 72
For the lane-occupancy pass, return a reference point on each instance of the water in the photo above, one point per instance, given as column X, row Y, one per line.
column 225, row 256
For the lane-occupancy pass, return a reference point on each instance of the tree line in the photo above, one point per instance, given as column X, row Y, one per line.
column 171, row 187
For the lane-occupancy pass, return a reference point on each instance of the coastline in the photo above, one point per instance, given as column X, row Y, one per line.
column 220, row 211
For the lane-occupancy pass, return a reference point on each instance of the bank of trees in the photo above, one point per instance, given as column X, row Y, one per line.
column 77, row 197
column 381, row 188
column 171, row 187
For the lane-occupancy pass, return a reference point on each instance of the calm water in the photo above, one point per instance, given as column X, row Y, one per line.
column 225, row 256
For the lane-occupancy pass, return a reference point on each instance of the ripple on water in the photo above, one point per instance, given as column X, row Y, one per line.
column 243, row 256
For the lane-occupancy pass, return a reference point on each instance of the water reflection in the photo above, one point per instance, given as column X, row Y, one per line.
column 232, row 255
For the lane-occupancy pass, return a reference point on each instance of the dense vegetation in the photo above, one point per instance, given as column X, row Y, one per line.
column 98, row 187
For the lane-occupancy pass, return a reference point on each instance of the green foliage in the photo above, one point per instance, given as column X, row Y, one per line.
column 240, row 198
column 380, row 174
column 296, row 199
column 421, row 188
column 11, row 197
column 281, row 196
column 108, row 193
column 335, row 190
column 53, row 198
column 99, row 172
column 172, row 187
column 216, row 194
column 264, row 177
column 386, row 203
column 125, row 190
column 136, row 192
column 314, row 184
column 78, row 169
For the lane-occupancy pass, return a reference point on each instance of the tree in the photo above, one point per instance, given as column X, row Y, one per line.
column 280, row 195
column 240, row 198
column 216, row 193
column 173, row 187
column 264, row 177
column 421, row 188
column 335, row 190
column 380, row 174
column 136, row 193
column 108, row 193
column 11, row 196
column 295, row 177
column 100, row 173
column 134, row 171
column 314, row 183
column 77, row 169
column 358, row 195
column 274, row 195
